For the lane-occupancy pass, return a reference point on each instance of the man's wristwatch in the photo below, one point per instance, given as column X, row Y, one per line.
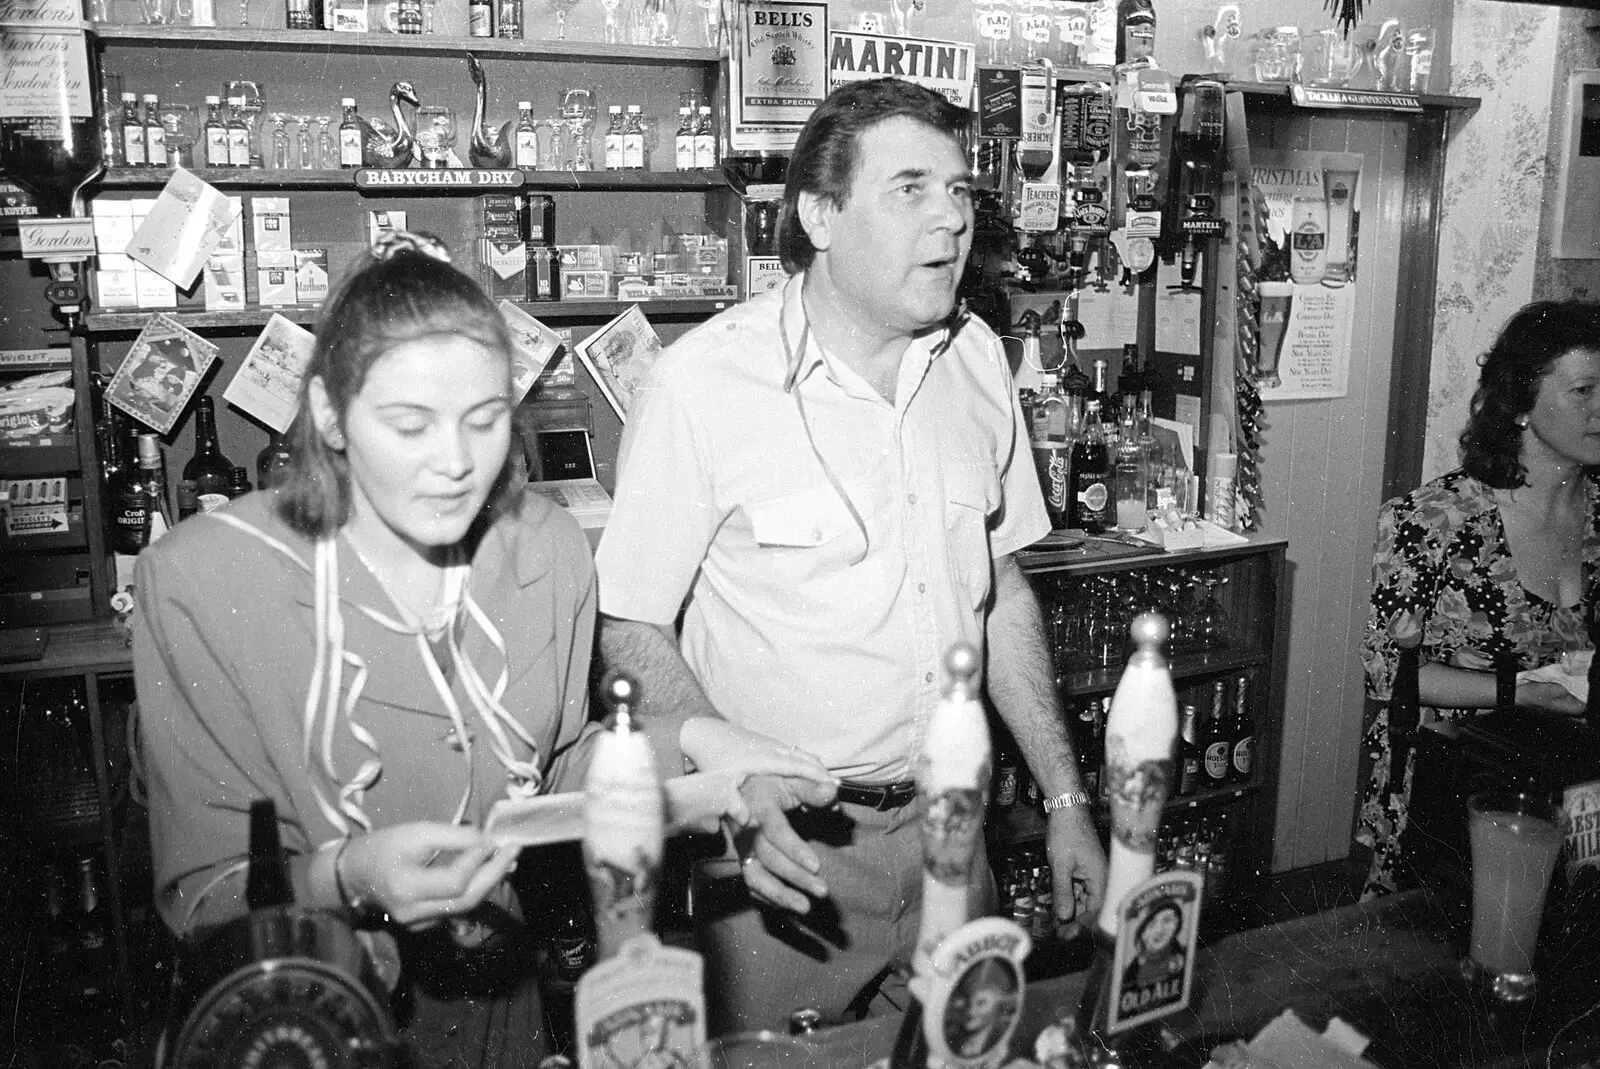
column 1067, row 800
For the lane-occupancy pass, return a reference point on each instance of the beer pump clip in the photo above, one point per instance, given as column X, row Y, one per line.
column 1198, row 152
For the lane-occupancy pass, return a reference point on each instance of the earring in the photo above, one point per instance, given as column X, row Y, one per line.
column 334, row 438
column 1521, row 421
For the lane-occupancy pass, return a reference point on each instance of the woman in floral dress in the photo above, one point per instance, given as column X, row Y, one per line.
column 1490, row 569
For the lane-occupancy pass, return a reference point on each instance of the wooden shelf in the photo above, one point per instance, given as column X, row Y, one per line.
column 1023, row 823
column 311, row 42
column 1182, row 666
column 99, row 646
column 1279, row 92
column 549, row 312
column 533, row 181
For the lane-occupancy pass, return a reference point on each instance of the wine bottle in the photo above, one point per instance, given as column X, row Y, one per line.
column 208, row 469
column 51, row 142
column 274, row 462
column 153, row 477
column 952, row 778
column 1190, row 775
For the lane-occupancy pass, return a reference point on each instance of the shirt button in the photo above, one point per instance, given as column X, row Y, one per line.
column 928, row 678
column 922, row 588
column 911, row 499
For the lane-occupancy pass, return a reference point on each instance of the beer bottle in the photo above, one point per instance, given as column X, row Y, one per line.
column 1241, row 733
column 1190, row 773
column 209, row 471
column 1090, row 507
column 238, row 482
column 1216, row 748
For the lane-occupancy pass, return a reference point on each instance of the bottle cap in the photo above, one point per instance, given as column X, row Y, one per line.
column 524, row 104
column 128, row 98
column 705, row 109
column 213, row 100
column 615, row 109
column 347, row 102
column 961, row 664
column 150, row 98
column 685, row 111
column 633, row 109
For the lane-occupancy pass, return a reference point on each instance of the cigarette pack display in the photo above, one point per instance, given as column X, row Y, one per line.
column 269, row 221
column 505, row 269
column 583, row 257
column 113, row 225
column 224, row 282
column 275, row 281
column 502, row 202
column 311, row 275
column 114, row 282
column 584, row 284
column 502, row 217
column 541, row 213
column 151, row 290
column 544, row 274
column 502, row 232
column 384, row 219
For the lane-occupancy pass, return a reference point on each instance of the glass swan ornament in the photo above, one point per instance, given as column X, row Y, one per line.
column 392, row 146
column 489, row 146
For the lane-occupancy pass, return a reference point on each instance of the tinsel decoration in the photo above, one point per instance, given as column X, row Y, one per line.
column 1247, row 311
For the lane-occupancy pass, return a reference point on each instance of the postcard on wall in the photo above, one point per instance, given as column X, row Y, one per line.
column 532, row 346
column 1307, row 277
column 268, row 383
column 619, row 355
column 779, row 70
column 160, row 373
column 189, row 221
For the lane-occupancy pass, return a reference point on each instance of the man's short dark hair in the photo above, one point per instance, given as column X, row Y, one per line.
column 826, row 153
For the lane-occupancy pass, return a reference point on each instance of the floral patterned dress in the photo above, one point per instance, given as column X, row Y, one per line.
column 1441, row 564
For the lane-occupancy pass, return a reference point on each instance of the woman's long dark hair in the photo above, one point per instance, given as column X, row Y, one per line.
column 1536, row 337
column 392, row 296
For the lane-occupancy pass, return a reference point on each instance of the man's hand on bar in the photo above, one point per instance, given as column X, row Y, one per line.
column 1076, row 859
column 776, row 863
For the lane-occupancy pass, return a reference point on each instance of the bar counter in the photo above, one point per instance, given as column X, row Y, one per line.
column 1389, row 967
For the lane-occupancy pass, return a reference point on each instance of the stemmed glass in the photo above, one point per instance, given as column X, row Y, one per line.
column 178, row 120
column 280, row 142
column 711, row 21
column 561, row 8
column 327, row 158
column 578, row 107
column 428, row 11
column 436, row 135
column 613, row 29
column 305, row 146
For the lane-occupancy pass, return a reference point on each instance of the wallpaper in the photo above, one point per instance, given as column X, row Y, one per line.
column 1494, row 187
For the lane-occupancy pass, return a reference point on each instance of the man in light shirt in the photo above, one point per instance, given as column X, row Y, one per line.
column 830, row 481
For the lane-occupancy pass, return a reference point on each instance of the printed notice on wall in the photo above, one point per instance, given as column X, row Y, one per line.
column 779, row 71
column 1307, row 278
column 42, row 73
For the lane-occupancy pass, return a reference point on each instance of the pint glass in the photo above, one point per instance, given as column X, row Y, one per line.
column 1515, row 840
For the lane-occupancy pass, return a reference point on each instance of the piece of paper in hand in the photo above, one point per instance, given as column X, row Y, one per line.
column 532, row 346
column 267, row 385
column 189, row 221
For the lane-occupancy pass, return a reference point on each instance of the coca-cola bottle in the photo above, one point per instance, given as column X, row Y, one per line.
column 50, row 137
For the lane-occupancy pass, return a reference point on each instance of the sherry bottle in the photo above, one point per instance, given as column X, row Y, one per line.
column 208, row 469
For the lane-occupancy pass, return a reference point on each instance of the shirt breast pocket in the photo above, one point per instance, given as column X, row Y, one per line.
column 969, row 501
column 816, row 552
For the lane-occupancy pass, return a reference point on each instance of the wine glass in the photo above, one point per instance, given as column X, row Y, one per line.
column 327, row 158
column 305, row 146
column 436, row 135
column 579, row 108
column 428, row 12
column 280, row 142
column 561, row 8
column 711, row 21
column 663, row 22
column 180, row 123
column 613, row 31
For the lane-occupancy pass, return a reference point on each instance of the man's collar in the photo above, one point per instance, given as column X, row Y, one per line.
column 803, row 354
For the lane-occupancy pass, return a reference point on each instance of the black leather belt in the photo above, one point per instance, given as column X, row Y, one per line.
column 882, row 798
